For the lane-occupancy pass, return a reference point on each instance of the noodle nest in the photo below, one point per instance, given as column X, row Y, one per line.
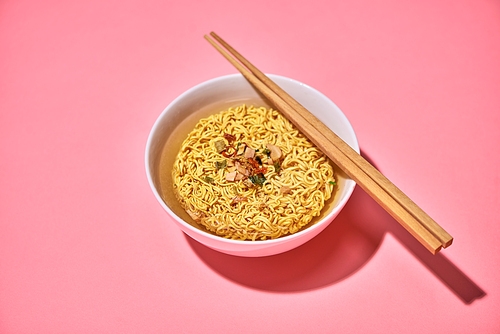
column 296, row 185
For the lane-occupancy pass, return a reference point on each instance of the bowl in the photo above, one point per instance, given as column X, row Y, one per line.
column 179, row 118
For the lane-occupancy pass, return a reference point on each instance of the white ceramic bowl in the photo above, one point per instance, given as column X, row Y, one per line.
column 218, row 94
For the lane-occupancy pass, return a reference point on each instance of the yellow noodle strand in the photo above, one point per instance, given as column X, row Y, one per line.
column 266, row 213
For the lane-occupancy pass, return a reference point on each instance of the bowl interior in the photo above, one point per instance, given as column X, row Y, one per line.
column 219, row 94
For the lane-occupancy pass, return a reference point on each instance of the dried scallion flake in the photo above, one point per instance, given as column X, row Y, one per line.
column 208, row 179
column 221, row 164
column 277, row 166
column 266, row 151
column 220, row 145
column 258, row 179
column 331, row 182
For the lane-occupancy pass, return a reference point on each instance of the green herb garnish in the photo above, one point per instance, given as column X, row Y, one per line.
column 221, row 164
column 331, row 182
column 220, row 145
column 208, row 179
column 258, row 179
column 277, row 166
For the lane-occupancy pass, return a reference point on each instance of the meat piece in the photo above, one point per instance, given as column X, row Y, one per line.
column 249, row 152
column 275, row 151
column 231, row 176
column 242, row 170
column 241, row 148
column 285, row 190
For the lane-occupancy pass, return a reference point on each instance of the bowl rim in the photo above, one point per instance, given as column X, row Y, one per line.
column 350, row 184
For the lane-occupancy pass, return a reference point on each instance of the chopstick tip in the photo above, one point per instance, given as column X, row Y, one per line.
column 448, row 243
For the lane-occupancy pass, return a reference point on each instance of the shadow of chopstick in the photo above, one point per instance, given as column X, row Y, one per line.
column 447, row 272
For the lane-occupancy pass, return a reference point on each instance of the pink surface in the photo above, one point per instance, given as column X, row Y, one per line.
column 85, row 247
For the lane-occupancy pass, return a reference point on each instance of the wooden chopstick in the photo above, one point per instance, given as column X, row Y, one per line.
column 445, row 238
column 410, row 216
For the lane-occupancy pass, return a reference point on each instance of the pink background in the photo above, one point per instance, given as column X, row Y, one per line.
column 85, row 247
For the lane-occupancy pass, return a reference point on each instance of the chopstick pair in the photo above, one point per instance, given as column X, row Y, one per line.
column 383, row 191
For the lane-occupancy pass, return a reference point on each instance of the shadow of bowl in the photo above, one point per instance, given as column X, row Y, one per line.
column 336, row 253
